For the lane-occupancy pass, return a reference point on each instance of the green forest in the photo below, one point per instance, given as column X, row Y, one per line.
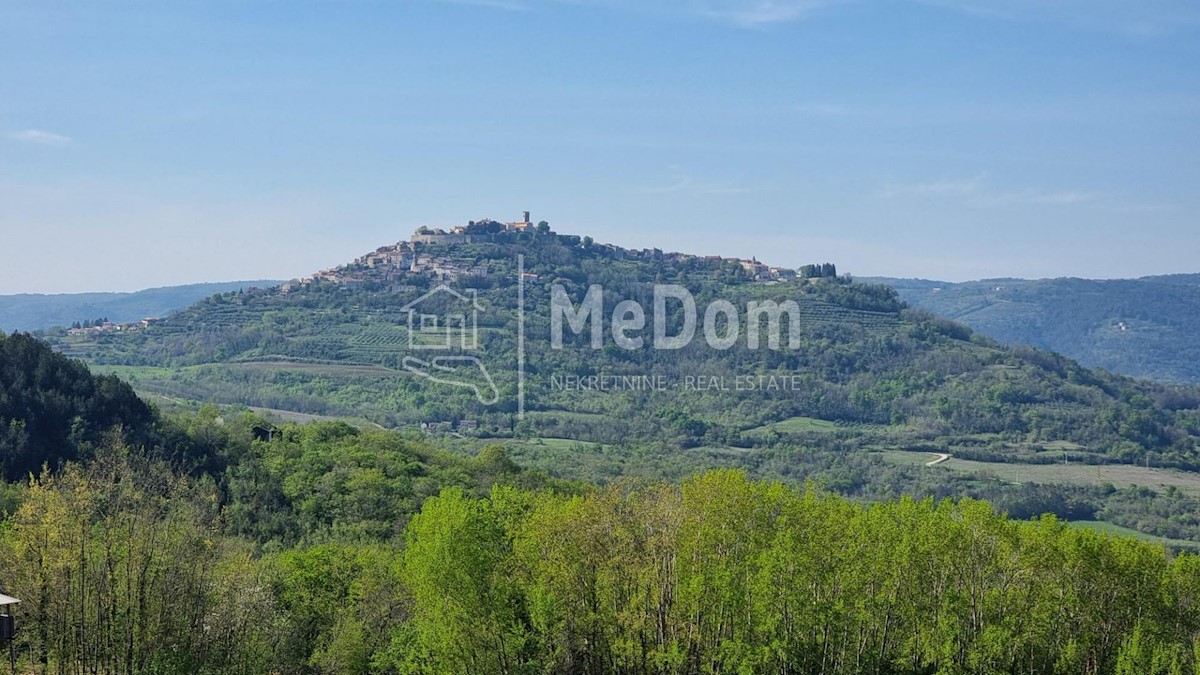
column 334, row 551
column 218, row 542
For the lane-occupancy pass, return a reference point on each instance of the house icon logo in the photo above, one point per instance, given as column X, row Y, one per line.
column 446, row 320
column 443, row 319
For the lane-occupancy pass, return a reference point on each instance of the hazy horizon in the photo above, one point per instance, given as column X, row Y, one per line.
column 853, row 273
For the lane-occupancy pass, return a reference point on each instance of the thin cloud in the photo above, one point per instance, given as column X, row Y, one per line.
column 1033, row 198
column 755, row 13
column 505, row 5
column 741, row 13
column 42, row 137
column 1134, row 18
column 690, row 186
column 976, row 192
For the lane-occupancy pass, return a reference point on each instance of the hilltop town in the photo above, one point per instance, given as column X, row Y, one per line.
column 425, row 253
column 435, row 253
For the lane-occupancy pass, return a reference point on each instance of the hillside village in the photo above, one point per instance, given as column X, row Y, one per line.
column 423, row 253
column 105, row 326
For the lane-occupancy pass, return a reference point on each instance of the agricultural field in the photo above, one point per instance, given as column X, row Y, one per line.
column 818, row 312
column 531, row 445
column 134, row 374
column 1118, row 531
column 1117, row 475
column 315, row 368
column 800, row 425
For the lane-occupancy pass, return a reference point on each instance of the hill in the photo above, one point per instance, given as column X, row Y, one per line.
column 53, row 409
column 305, row 540
column 30, row 312
column 1143, row 327
column 870, row 371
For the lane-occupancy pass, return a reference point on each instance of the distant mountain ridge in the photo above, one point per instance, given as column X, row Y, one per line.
column 1147, row 327
column 35, row 311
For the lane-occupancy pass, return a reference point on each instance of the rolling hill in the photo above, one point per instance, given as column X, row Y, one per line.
column 855, row 397
column 1143, row 327
column 52, row 409
column 30, row 312
column 338, row 343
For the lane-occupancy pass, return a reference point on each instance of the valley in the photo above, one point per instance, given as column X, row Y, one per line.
column 1138, row 327
column 847, row 387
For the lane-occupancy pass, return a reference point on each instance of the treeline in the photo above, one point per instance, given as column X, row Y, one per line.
column 817, row 271
column 126, row 567
column 88, row 323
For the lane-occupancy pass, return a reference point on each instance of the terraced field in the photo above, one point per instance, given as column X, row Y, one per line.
column 817, row 312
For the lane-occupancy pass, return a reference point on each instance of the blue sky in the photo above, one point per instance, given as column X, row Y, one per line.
column 155, row 143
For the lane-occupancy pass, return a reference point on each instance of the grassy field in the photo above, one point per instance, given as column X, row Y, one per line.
column 1080, row 474
column 557, row 414
column 803, row 424
column 303, row 418
column 717, row 450
column 333, row 369
column 555, row 444
column 134, row 373
column 1119, row 531
column 880, row 436
column 796, row 425
column 1062, row 445
column 173, row 404
column 906, row 457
